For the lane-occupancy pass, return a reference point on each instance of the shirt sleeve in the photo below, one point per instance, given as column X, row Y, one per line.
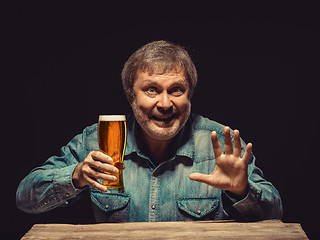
column 261, row 202
column 50, row 185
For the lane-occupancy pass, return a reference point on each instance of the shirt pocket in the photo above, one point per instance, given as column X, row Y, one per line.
column 198, row 207
column 115, row 205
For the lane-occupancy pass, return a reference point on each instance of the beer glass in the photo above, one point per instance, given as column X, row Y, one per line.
column 112, row 136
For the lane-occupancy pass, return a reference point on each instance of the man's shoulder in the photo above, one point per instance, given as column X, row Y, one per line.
column 205, row 124
column 91, row 137
column 201, row 137
column 91, row 129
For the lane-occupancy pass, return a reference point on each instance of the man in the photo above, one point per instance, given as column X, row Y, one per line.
column 178, row 166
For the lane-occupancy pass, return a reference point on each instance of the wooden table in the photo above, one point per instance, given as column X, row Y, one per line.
column 270, row 229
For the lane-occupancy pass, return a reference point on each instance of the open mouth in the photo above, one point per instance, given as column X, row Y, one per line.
column 164, row 118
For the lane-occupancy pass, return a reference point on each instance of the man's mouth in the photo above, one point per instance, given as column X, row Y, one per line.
column 164, row 118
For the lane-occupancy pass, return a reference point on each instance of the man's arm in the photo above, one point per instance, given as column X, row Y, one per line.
column 51, row 185
column 62, row 178
column 261, row 202
column 247, row 195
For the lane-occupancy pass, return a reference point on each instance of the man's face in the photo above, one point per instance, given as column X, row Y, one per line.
column 161, row 104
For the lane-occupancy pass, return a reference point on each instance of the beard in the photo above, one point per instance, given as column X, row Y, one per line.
column 161, row 125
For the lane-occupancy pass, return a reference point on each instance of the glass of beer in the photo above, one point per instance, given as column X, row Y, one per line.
column 112, row 136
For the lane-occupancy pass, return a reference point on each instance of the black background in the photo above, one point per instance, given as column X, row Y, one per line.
column 258, row 72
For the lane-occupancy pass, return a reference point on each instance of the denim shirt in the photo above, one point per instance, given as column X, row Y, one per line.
column 152, row 192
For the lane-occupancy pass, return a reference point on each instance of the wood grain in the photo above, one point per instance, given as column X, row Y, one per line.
column 269, row 229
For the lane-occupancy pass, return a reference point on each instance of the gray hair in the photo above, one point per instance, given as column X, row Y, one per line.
column 160, row 57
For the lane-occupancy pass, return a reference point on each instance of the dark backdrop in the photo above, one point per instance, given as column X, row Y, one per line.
column 257, row 69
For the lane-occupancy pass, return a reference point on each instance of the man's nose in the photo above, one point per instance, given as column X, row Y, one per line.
column 164, row 101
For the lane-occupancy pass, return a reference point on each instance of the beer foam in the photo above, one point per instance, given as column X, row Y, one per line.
column 112, row 118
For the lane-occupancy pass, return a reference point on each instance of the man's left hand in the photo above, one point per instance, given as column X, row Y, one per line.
column 231, row 171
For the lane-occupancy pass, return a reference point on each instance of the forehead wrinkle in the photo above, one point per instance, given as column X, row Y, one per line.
column 182, row 82
column 162, row 67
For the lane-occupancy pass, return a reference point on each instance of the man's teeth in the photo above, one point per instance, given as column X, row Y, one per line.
column 163, row 118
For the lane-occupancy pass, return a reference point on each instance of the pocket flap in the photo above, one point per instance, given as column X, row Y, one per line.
column 109, row 202
column 198, row 207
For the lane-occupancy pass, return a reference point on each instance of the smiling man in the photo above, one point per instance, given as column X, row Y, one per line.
column 161, row 107
column 179, row 166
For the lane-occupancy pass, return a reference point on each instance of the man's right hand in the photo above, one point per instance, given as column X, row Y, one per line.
column 93, row 168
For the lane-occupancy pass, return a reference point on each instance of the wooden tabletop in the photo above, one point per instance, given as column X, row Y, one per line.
column 269, row 229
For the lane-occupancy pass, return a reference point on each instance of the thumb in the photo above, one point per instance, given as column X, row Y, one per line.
column 203, row 178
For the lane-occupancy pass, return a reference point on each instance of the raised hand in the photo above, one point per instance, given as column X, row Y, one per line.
column 231, row 171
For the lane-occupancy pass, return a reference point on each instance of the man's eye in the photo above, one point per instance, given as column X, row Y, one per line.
column 177, row 91
column 151, row 90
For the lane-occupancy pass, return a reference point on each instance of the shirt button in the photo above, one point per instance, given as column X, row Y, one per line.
column 153, row 207
column 199, row 212
column 67, row 195
column 107, row 206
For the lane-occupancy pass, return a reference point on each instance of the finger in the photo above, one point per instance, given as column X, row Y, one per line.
column 203, row 178
column 104, row 176
column 103, row 167
column 216, row 145
column 92, row 173
column 247, row 154
column 99, row 156
column 96, row 184
column 237, row 143
column 227, row 141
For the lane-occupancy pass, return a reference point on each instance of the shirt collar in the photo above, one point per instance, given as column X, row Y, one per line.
column 131, row 145
column 184, row 141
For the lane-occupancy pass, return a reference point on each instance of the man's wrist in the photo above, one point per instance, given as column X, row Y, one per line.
column 238, row 195
column 76, row 177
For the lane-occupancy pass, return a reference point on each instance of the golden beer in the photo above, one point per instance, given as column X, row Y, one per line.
column 112, row 135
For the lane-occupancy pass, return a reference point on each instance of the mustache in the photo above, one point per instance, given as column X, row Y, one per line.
column 163, row 114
